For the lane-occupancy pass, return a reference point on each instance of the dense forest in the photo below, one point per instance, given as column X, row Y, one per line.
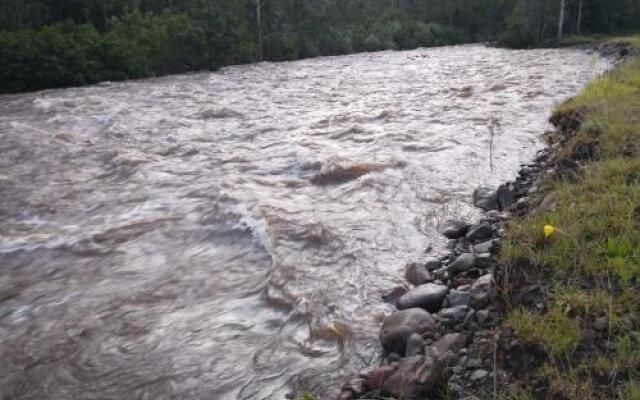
column 56, row 43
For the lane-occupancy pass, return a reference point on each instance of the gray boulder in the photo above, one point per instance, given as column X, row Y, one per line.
column 394, row 294
column 453, row 229
column 453, row 314
column 415, row 378
column 415, row 345
column 484, row 260
column 453, row 342
column 417, row 274
column 478, row 375
column 398, row 327
column 482, row 291
column 457, row 298
column 432, row 263
column 377, row 377
column 483, row 316
column 506, row 195
column 428, row 296
column 463, row 263
column 479, row 233
column 485, row 198
column 484, row 247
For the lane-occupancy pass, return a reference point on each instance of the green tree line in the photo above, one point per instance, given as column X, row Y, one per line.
column 57, row 43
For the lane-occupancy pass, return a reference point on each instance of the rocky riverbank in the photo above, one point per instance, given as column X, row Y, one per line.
column 443, row 341
column 447, row 340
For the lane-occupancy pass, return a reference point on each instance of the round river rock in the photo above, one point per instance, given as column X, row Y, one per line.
column 398, row 327
column 428, row 296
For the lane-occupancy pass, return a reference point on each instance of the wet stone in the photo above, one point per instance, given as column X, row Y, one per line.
column 463, row 263
column 482, row 291
column 398, row 327
column 376, row 378
column 442, row 273
column 474, row 363
column 394, row 294
column 484, row 247
column 485, row 198
column 480, row 233
column 453, row 314
column 417, row 274
column 428, row 296
column 356, row 386
column 484, row 260
column 483, row 316
column 415, row 378
column 452, row 342
column 432, row 263
column 454, row 229
column 461, row 246
column 415, row 345
column 457, row 298
column 479, row 375
column 506, row 195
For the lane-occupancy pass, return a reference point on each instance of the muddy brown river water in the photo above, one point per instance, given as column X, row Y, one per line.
column 230, row 235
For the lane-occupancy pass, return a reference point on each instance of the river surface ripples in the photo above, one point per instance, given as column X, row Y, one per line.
column 231, row 235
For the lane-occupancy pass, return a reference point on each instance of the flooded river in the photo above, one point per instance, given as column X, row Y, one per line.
column 231, row 235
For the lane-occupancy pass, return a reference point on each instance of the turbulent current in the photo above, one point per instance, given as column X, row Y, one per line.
column 231, row 235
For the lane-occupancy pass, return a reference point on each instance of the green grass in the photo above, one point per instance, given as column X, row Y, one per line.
column 592, row 263
column 554, row 330
column 630, row 391
column 579, row 40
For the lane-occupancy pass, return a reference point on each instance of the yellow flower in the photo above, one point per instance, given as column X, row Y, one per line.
column 549, row 230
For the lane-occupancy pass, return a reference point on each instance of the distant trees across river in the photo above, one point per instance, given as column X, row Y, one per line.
column 58, row 43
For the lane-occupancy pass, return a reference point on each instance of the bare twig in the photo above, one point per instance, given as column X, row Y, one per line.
column 494, row 125
column 495, row 368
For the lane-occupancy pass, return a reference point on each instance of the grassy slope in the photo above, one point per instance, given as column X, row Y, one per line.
column 591, row 264
column 577, row 40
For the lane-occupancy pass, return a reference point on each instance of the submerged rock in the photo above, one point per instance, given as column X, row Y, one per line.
column 398, row 327
column 340, row 171
column 486, row 199
column 394, row 294
column 417, row 274
column 428, row 296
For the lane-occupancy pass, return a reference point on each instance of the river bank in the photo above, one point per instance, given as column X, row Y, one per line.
column 538, row 298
